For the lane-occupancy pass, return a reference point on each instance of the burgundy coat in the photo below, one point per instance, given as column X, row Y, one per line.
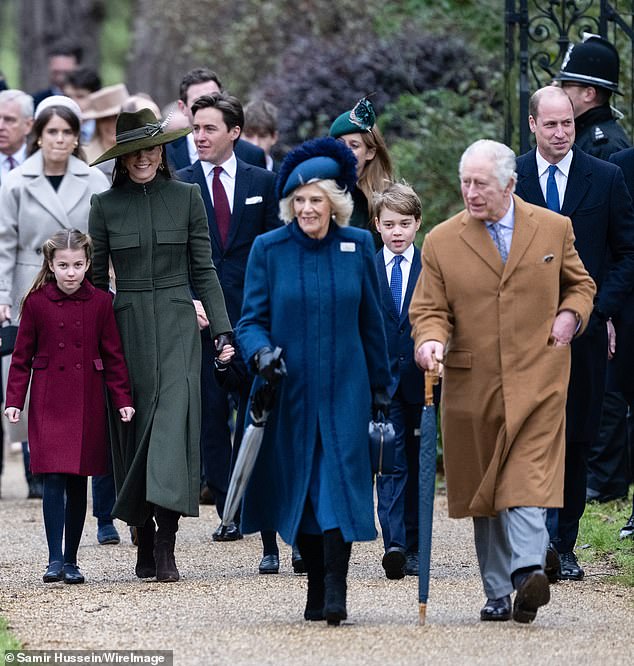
column 71, row 344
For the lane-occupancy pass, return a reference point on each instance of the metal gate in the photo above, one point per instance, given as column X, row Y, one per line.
column 537, row 34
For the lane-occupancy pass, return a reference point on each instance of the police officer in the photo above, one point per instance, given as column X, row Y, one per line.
column 590, row 74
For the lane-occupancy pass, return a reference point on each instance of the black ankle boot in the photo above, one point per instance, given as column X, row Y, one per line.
column 164, row 543
column 145, row 563
column 311, row 548
column 336, row 559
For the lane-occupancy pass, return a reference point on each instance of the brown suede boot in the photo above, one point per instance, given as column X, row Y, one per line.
column 145, row 563
column 164, row 542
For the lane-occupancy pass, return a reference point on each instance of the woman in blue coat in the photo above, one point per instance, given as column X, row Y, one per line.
column 312, row 289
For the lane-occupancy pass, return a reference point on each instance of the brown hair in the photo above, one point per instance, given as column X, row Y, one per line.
column 72, row 239
column 378, row 173
column 398, row 197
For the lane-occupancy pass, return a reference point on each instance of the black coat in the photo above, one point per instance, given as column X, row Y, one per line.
column 600, row 207
column 621, row 368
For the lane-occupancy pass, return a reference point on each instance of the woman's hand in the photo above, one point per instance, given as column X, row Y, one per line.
column 270, row 365
column 13, row 414
column 126, row 414
column 5, row 313
column 201, row 315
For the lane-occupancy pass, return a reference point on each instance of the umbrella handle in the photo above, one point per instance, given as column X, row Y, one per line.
column 431, row 380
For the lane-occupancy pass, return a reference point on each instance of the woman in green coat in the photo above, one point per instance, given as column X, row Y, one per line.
column 154, row 232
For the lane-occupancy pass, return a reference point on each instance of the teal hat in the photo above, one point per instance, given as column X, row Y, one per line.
column 139, row 130
column 360, row 119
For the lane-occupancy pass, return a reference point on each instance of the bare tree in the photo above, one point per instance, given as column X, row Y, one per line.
column 44, row 22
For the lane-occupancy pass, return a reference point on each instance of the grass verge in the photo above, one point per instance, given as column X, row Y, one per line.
column 7, row 640
column 599, row 539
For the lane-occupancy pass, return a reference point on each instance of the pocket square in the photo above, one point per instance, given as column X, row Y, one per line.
column 548, row 258
column 252, row 200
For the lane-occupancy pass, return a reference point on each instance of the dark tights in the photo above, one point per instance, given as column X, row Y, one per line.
column 64, row 508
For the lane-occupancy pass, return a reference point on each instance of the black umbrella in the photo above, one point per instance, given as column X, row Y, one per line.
column 426, row 491
column 262, row 399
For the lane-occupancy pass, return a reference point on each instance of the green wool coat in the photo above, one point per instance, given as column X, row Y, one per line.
column 158, row 240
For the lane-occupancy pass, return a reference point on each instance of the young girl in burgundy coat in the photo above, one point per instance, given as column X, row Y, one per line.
column 69, row 347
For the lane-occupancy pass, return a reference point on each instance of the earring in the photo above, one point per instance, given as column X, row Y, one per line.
column 124, row 171
column 76, row 144
column 161, row 167
column 39, row 142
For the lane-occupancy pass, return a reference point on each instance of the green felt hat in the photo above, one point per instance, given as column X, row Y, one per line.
column 359, row 119
column 139, row 130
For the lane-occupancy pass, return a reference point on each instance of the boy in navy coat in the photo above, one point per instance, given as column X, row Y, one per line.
column 397, row 216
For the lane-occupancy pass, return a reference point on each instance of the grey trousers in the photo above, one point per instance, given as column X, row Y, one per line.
column 514, row 539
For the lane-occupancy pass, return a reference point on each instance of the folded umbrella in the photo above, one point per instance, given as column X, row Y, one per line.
column 262, row 399
column 426, row 491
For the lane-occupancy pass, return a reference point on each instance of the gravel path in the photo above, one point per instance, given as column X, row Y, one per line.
column 223, row 612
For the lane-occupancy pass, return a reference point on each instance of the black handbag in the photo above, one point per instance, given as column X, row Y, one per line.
column 7, row 339
column 382, row 446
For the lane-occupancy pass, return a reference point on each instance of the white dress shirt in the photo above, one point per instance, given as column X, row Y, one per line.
column 561, row 175
column 406, row 265
column 19, row 156
column 191, row 148
column 505, row 226
column 227, row 177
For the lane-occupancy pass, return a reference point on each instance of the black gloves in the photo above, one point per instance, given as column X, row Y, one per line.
column 381, row 402
column 270, row 364
column 221, row 340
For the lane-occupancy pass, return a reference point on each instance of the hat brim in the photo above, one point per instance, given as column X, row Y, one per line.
column 584, row 80
column 141, row 144
column 92, row 114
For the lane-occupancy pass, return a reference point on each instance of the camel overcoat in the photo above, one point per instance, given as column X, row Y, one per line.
column 70, row 349
column 504, row 387
column 157, row 238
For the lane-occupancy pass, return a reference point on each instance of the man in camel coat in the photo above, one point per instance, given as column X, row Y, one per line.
column 501, row 295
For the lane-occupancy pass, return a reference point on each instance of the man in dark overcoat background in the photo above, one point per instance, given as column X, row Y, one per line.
column 593, row 194
column 252, row 210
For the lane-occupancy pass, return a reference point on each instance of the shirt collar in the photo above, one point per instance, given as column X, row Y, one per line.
column 230, row 166
column 563, row 165
column 19, row 156
column 508, row 219
column 408, row 255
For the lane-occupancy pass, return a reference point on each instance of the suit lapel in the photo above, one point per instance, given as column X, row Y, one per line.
column 476, row 236
column 388, row 304
column 414, row 272
column 523, row 233
column 528, row 181
column 579, row 182
column 198, row 176
column 240, row 192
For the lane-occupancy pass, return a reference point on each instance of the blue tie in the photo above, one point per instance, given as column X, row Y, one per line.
column 396, row 283
column 498, row 239
column 552, row 193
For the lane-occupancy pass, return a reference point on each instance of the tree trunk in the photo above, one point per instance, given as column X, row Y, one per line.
column 43, row 23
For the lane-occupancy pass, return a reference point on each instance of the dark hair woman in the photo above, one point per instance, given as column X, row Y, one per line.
column 312, row 289
column 154, row 231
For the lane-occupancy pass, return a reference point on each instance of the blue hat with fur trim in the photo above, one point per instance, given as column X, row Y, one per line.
column 318, row 159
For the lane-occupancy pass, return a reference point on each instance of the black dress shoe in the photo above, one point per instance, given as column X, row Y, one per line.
column 54, row 572
column 394, row 563
column 628, row 529
column 551, row 568
column 35, row 488
column 411, row 564
column 206, row 495
column 229, row 532
column 270, row 564
column 72, row 574
column 569, row 568
column 496, row 610
column 533, row 591
column 299, row 567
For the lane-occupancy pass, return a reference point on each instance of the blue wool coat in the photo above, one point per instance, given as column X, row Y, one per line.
column 319, row 301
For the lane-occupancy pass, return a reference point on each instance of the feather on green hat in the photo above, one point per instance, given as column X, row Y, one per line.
column 359, row 119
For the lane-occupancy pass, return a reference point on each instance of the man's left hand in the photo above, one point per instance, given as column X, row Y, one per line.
column 564, row 328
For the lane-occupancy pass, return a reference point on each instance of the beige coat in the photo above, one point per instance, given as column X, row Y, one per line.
column 504, row 387
column 31, row 211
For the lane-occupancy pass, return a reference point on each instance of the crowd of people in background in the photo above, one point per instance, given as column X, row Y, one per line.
column 159, row 257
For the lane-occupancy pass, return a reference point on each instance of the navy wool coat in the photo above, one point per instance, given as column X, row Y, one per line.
column 319, row 301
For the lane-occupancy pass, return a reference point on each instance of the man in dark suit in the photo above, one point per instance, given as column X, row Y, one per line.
column 63, row 58
column 621, row 367
column 397, row 216
column 182, row 152
column 593, row 194
column 241, row 204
